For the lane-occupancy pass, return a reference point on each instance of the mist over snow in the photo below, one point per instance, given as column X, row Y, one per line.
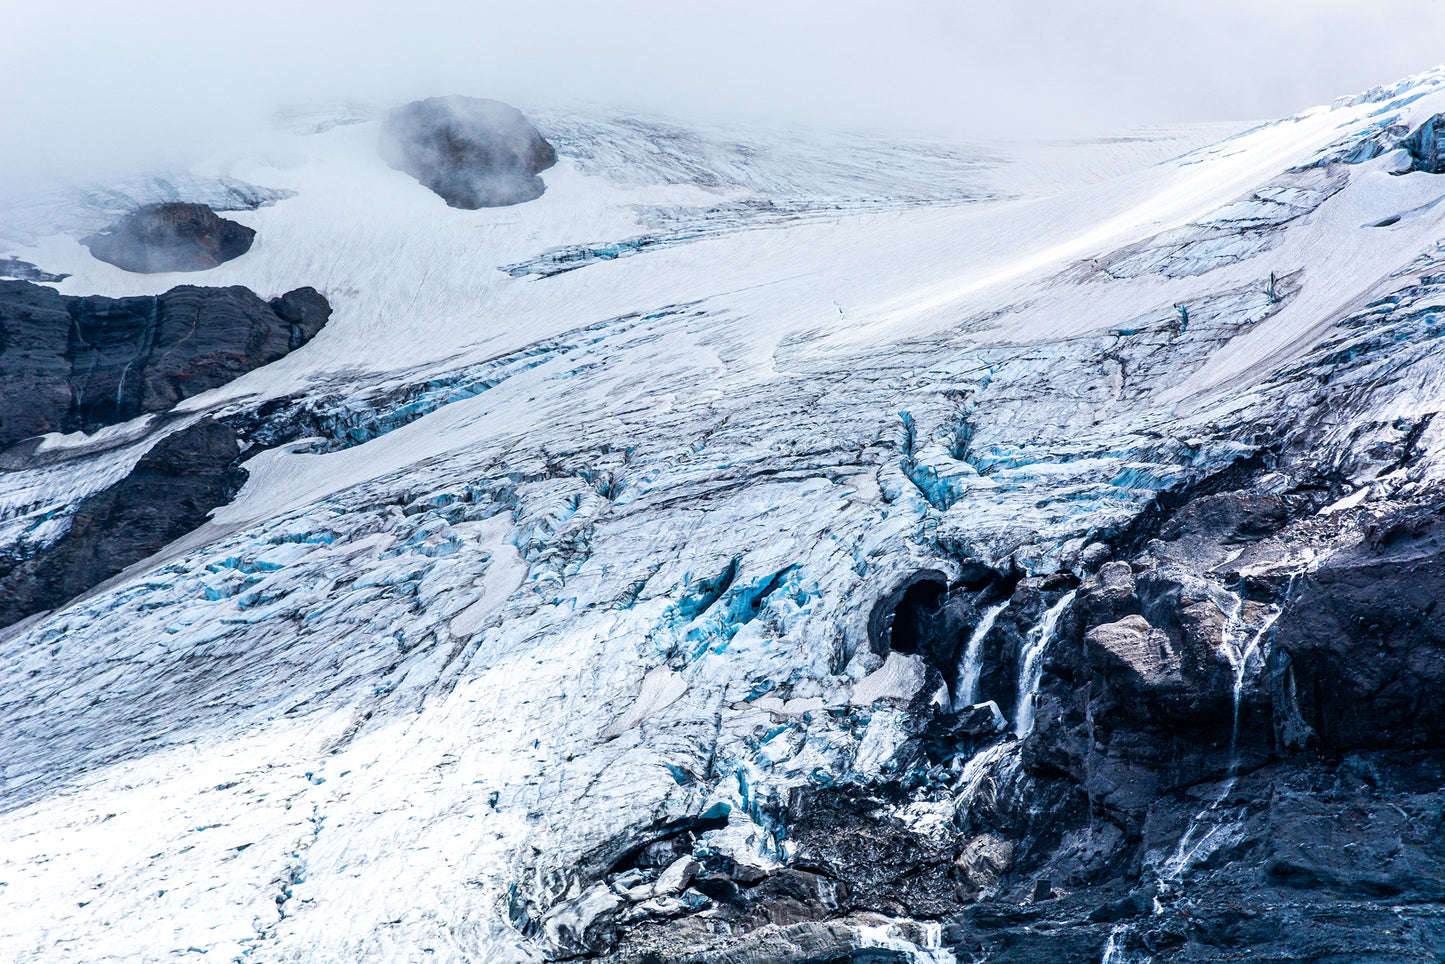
column 115, row 87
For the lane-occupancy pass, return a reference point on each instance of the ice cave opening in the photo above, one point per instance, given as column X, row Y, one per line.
column 905, row 620
column 915, row 615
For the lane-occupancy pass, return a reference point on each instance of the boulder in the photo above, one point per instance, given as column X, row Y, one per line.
column 983, row 859
column 1108, row 595
column 979, row 720
column 1094, row 555
column 806, row 942
column 171, row 237
column 1139, row 657
column 1157, row 661
column 472, row 152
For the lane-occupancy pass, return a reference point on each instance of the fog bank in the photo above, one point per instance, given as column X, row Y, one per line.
column 89, row 87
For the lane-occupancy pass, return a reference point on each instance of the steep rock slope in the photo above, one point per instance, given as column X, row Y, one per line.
column 997, row 571
column 168, row 493
column 69, row 364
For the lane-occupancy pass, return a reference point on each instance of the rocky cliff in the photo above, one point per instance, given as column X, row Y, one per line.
column 170, row 491
column 78, row 363
column 175, row 236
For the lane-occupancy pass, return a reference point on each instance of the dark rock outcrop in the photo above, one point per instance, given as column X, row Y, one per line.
column 1204, row 532
column 1365, row 637
column 174, row 236
column 846, row 835
column 1221, row 767
column 71, row 364
column 474, row 153
column 25, row 271
column 170, row 491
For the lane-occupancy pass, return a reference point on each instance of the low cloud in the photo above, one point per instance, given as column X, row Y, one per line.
column 89, row 87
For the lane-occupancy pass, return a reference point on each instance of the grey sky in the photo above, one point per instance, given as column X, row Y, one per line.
column 89, row 83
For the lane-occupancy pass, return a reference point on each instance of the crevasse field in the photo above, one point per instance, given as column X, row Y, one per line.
column 610, row 483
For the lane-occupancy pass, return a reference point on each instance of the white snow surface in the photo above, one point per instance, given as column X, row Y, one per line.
column 394, row 694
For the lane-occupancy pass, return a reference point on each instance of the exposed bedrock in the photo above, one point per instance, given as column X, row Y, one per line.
column 1365, row 637
column 170, row 491
column 76, row 364
column 473, row 152
column 175, row 236
column 1232, row 752
column 25, row 271
column 1260, row 750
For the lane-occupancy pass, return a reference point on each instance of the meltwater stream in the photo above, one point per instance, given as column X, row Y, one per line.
column 1245, row 659
column 1031, row 664
column 972, row 668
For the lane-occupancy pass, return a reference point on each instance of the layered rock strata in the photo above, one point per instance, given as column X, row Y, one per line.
column 76, row 364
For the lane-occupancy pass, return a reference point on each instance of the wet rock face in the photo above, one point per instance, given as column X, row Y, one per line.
column 168, row 493
column 69, row 364
column 171, row 237
column 1366, row 637
column 1143, row 705
column 1191, row 718
column 474, row 153
column 1172, row 800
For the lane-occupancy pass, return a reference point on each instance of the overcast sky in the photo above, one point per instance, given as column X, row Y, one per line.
column 90, row 81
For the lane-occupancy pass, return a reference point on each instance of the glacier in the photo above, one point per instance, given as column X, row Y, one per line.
column 542, row 627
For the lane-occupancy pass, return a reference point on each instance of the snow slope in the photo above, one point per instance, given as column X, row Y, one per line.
column 594, row 550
